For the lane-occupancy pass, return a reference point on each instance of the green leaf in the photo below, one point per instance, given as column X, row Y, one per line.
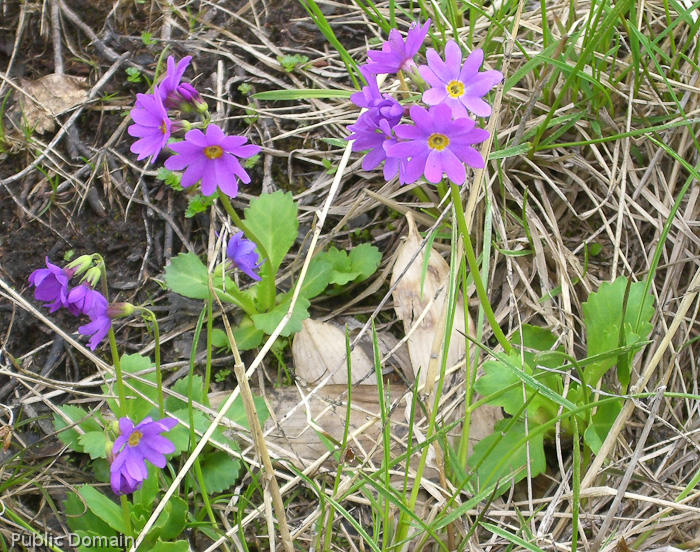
column 267, row 322
column 187, row 276
column 103, row 508
column 69, row 437
column 342, row 270
column 600, row 425
column 182, row 386
column 171, row 522
column 145, row 497
column 236, row 413
column 177, row 546
column 507, row 455
column 272, row 218
column 94, row 443
column 199, row 203
column 603, row 317
column 247, row 336
column 289, row 62
column 180, row 435
column 81, row 518
column 220, row 471
column 98, row 539
column 317, row 277
column 365, row 259
column 498, row 376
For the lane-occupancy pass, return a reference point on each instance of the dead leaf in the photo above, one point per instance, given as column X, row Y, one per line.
column 421, row 308
column 319, row 348
column 42, row 100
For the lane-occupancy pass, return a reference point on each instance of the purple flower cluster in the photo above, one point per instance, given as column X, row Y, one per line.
column 210, row 157
column 439, row 140
column 133, row 447
column 52, row 288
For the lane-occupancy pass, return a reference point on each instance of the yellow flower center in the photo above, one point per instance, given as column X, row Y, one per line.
column 438, row 141
column 455, row 89
column 213, row 152
column 164, row 128
column 135, row 438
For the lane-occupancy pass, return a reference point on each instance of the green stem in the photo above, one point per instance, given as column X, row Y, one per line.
column 127, row 515
column 210, row 329
column 150, row 316
column 268, row 291
column 474, row 269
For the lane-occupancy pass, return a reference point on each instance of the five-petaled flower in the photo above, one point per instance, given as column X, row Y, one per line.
column 151, row 124
column 244, row 255
column 459, row 86
column 397, row 54
column 133, row 447
column 437, row 145
column 211, row 158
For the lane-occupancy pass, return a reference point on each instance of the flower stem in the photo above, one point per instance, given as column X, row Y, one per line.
column 113, row 343
column 151, row 317
column 207, row 373
column 269, row 291
column 127, row 515
column 474, row 269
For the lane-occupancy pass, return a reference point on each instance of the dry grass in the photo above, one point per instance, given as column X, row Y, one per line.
column 617, row 193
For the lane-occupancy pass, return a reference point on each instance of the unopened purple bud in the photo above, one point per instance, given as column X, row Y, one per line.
column 120, row 310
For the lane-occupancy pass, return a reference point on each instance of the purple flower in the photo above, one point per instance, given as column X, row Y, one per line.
column 151, row 125
column 133, row 447
column 173, row 74
column 51, row 285
column 211, row 158
column 396, row 53
column 380, row 106
column 437, row 144
column 459, row 86
column 375, row 137
column 100, row 321
column 83, row 299
column 244, row 255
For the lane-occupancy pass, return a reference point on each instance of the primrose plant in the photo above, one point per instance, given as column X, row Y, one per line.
column 533, row 380
column 135, row 444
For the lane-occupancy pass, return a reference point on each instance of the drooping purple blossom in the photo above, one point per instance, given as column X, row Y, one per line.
column 396, row 53
column 244, row 255
column 100, row 321
column 85, row 300
column 459, row 86
column 437, row 145
column 379, row 106
column 211, row 158
column 173, row 75
column 151, row 124
column 133, row 447
column 375, row 137
column 51, row 285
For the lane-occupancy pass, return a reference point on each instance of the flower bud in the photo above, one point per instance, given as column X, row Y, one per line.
column 120, row 310
column 79, row 265
column 92, row 276
column 109, row 445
